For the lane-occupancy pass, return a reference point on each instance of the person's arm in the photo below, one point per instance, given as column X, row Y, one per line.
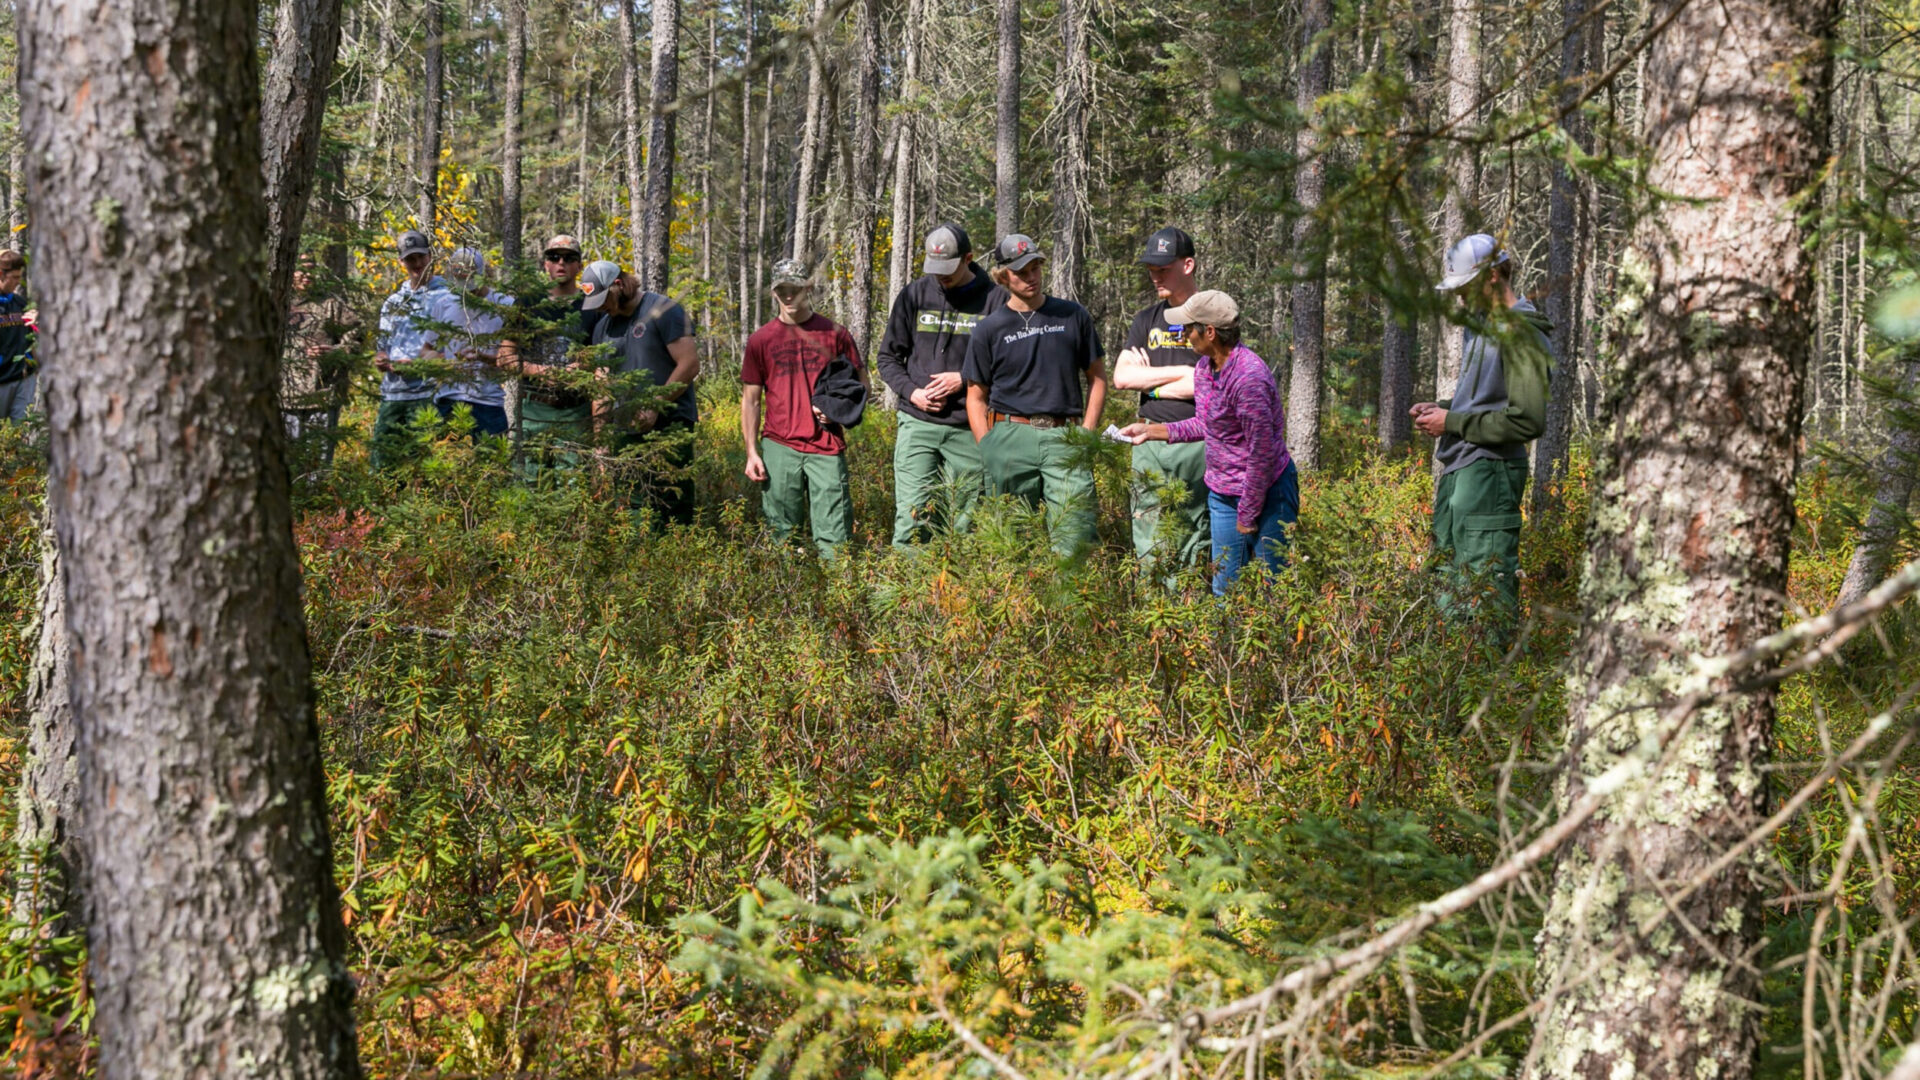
column 1192, row 429
column 896, row 348
column 686, row 367
column 977, row 418
column 750, row 398
column 1254, row 403
column 1096, row 394
column 1525, row 416
column 1133, row 371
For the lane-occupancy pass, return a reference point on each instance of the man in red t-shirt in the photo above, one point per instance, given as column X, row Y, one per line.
column 799, row 457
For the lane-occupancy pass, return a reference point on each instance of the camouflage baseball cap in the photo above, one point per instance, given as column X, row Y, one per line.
column 791, row 272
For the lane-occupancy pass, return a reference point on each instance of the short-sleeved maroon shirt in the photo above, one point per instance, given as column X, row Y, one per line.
column 788, row 360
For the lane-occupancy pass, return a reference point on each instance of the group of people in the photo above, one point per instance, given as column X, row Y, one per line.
column 988, row 373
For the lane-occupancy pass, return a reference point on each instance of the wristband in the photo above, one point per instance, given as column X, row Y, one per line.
column 1153, row 393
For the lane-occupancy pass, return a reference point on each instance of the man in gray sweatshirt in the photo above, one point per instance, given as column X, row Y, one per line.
column 1499, row 406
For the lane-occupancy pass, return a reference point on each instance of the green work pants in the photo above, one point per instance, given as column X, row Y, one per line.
column 393, row 443
column 1476, row 528
column 1177, row 534
column 811, row 485
column 936, row 476
column 1032, row 463
column 551, row 437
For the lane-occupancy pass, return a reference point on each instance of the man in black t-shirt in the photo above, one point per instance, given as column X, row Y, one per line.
column 919, row 360
column 1167, row 538
column 1022, row 372
column 650, row 333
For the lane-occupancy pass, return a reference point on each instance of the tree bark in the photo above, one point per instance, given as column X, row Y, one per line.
column 1006, row 127
column 706, row 147
column 1563, row 284
column 306, row 38
column 1071, row 228
column 802, row 247
column 746, row 239
column 16, row 197
column 46, row 883
column 866, row 195
column 664, row 110
column 1893, row 488
column 900, row 252
column 510, row 136
column 432, row 103
column 214, row 935
column 1687, row 556
column 1460, row 212
column 1307, row 379
column 630, row 117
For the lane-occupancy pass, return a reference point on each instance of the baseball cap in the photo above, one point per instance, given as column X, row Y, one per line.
column 1166, row 247
column 563, row 242
column 1015, row 251
column 1209, row 307
column 1467, row 258
column 466, row 262
column 414, row 242
column 947, row 247
column 594, row 281
column 791, row 272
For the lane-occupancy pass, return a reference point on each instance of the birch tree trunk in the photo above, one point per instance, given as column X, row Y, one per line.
column 866, row 201
column 432, row 102
column 510, row 223
column 630, row 118
column 746, row 175
column 1006, row 126
column 664, row 109
column 706, row 148
column 1644, row 957
column 1893, row 489
column 1305, row 383
column 16, row 197
column 305, row 40
column 802, row 248
column 1563, row 284
column 214, row 935
column 1460, row 212
column 900, row 251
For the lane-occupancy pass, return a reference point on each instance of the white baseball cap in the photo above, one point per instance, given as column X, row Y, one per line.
column 1467, row 258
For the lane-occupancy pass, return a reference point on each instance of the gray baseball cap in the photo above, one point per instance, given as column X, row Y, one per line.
column 414, row 242
column 1015, row 251
column 947, row 248
column 594, row 281
column 467, row 262
column 1467, row 258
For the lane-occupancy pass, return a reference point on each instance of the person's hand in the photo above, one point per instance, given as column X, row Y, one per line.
column 756, row 468
column 926, row 401
column 644, row 420
column 382, row 362
column 1246, row 530
column 819, row 417
column 945, row 384
column 1143, row 432
column 1433, row 422
column 315, row 350
column 1419, row 407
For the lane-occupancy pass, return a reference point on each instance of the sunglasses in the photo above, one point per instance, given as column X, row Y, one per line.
column 563, row 256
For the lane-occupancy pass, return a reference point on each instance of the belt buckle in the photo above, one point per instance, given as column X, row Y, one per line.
column 1044, row 422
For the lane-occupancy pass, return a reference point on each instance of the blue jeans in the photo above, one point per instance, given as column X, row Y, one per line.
column 1233, row 549
column 487, row 419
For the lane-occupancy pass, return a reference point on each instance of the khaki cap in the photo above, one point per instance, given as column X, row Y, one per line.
column 1207, row 308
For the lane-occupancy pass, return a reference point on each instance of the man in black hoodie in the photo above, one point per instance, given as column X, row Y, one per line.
column 17, row 375
column 919, row 360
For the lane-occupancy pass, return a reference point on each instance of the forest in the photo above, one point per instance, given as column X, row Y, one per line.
column 350, row 736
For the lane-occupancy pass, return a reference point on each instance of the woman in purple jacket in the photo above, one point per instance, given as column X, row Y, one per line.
column 1253, row 490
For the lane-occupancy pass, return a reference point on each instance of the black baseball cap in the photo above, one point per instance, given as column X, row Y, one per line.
column 1166, row 247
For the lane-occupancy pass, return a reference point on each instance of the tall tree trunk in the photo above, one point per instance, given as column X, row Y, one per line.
column 214, row 933
column 1460, row 212
column 630, row 117
column 1400, row 337
column 866, row 201
column 46, row 884
column 1306, row 384
column 16, row 197
column 900, row 251
column 1006, row 125
column 664, row 109
column 1893, row 488
column 1687, row 556
column 1071, row 228
column 510, row 223
column 810, row 135
column 432, row 103
column 1563, row 285
column 582, row 175
column 766, row 182
column 746, row 239
column 306, row 37
column 706, row 147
